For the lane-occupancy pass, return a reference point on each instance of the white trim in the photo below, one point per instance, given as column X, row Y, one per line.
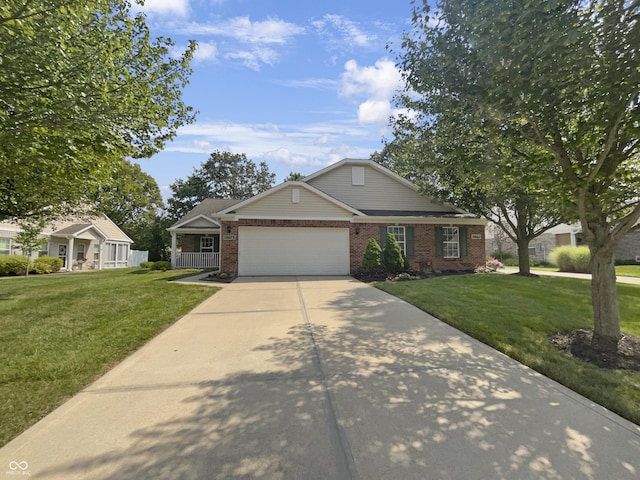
column 196, row 230
column 421, row 220
column 197, row 217
column 84, row 230
column 278, row 217
column 271, row 191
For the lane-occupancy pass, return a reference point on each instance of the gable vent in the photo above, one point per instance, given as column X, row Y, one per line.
column 357, row 175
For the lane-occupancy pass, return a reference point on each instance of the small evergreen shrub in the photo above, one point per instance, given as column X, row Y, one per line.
column 372, row 259
column 571, row 259
column 162, row 265
column 392, row 256
column 148, row 265
column 46, row 264
column 12, row 265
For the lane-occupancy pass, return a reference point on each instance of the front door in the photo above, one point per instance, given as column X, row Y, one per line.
column 62, row 254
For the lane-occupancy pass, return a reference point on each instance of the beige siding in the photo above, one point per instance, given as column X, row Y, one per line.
column 379, row 192
column 279, row 205
column 200, row 222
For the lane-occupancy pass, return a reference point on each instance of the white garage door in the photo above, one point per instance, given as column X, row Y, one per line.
column 293, row 251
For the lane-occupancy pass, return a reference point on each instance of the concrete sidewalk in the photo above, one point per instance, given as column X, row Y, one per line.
column 322, row 378
column 583, row 276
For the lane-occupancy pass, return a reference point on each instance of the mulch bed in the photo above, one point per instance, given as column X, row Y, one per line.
column 578, row 344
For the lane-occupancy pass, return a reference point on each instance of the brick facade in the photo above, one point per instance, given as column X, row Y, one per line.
column 359, row 234
column 424, row 248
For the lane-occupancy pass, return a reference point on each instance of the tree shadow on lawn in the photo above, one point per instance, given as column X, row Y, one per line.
column 381, row 395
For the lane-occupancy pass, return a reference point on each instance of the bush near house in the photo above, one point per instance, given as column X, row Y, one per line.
column 393, row 260
column 46, row 264
column 161, row 265
column 571, row 259
column 12, row 265
column 148, row 265
column 371, row 260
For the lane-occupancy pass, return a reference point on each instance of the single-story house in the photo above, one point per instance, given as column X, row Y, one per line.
column 321, row 226
column 82, row 243
column 627, row 249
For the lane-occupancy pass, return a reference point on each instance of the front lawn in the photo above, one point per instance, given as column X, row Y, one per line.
column 60, row 332
column 628, row 270
column 516, row 315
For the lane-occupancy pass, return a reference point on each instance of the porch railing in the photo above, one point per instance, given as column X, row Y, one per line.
column 197, row 260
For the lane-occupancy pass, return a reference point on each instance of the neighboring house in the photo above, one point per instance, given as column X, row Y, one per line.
column 627, row 249
column 321, row 226
column 82, row 243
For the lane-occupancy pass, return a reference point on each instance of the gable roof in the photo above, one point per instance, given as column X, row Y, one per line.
column 206, row 209
column 283, row 185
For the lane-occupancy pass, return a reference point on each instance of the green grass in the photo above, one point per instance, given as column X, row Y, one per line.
column 516, row 315
column 58, row 333
column 628, row 270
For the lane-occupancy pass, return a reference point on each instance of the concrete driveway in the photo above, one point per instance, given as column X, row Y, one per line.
column 322, row 378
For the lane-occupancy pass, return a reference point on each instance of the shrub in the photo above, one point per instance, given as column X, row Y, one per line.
column 148, row 265
column 372, row 259
column 47, row 264
column 12, row 265
column 162, row 265
column 392, row 256
column 571, row 259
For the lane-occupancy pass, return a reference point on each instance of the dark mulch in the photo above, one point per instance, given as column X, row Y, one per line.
column 578, row 344
column 369, row 277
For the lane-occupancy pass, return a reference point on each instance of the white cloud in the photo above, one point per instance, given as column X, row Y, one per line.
column 341, row 31
column 255, row 58
column 270, row 31
column 300, row 147
column 206, row 51
column 163, row 7
column 373, row 87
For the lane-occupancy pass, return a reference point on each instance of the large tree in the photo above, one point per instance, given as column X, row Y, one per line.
column 223, row 175
column 561, row 75
column 82, row 84
column 131, row 198
column 484, row 174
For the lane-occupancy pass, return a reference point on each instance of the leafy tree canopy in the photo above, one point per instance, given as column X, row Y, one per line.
column 82, row 83
column 131, row 199
column 223, row 175
column 560, row 79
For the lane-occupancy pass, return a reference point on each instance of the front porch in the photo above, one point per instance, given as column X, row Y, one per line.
column 197, row 260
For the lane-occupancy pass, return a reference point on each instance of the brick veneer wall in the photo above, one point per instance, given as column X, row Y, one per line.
column 425, row 243
column 424, row 249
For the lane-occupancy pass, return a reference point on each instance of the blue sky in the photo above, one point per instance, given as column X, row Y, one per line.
column 299, row 84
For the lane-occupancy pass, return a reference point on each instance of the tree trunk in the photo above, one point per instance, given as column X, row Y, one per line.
column 604, row 299
column 523, row 257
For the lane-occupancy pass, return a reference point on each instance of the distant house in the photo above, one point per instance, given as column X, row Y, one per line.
column 627, row 249
column 321, row 226
column 82, row 243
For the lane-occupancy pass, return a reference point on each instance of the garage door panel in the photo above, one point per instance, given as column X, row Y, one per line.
column 293, row 251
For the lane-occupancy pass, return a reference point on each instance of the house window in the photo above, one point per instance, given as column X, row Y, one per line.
column 451, row 242
column 80, row 253
column 5, row 246
column 44, row 249
column 206, row 245
column 96, row 253
column 400, row 235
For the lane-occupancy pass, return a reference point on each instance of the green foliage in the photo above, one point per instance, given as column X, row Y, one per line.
column 506, row 86
column 571, row 259
column 148, row 265
column 392, row 258
column 83, row 85
column 131, row 199
column 46, row 264
column 161, row 265
column 294, row 177
column 223, row 175
column 13, row 265
column 372, row 259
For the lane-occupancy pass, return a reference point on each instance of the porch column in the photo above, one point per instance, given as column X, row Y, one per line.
column 174, row 244
column 70, row 255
